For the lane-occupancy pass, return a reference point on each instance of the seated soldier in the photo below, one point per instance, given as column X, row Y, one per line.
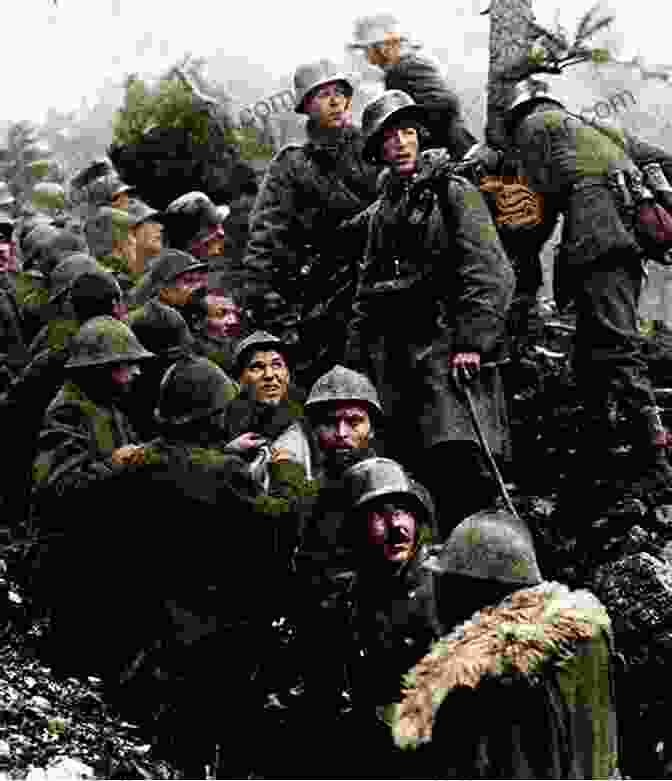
column 194, row 224
column 146, row 227
column 111, row 241
column 92, row 294
column 218, row 336
column 193, row 628
column 60, row 281
column 527, row 676
column 163, row 331
column 177, row 279
column 85, row 440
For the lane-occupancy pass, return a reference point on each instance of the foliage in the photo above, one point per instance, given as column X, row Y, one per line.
column 25, row 160
column 169, row 106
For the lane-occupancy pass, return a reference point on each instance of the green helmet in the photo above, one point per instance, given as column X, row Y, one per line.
column 374, row 478
column 105, row 227
column 162, row 329
column 48, row 195
column 192, row 390
column 341, row 384
column 492, row 546
column 67, row 271
column 104, row 340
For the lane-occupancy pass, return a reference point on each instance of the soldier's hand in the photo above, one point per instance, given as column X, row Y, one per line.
column 174, row 296
column 465, row 366
column 246, row 441
column 279, row 454
column 129, row 454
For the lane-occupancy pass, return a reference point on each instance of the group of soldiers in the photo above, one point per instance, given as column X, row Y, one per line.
column 171, row 433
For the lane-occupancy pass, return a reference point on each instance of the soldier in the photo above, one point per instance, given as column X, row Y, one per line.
column 60, row 311
column 179, row 280
column 147, row 229
column 194, row 224
column 307, row 192
column 109, row 190
column 91, row 294
column 112, row 242
column 394, row 598
column 163, row 331
column 344, row 415
column 432, row 296
column 380, row 38
column 193, row 627
column 520, row 646
column 85, row 440
column 218, row 336
column 579, row 168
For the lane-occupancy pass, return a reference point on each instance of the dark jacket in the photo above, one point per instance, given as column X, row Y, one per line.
column 396, row 623
column 434, row 280
column 568, row 161
column 306, row 192
column 13, row 351
column 421, row 79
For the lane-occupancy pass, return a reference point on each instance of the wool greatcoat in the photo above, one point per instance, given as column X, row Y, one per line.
column 568, row 162
column 292, row 250
column 434, row 281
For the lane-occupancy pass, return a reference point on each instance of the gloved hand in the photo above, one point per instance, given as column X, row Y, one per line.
column 465, row 366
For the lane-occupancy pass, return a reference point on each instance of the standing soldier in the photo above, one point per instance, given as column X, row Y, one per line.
column 584, row 169
column 380, row 38
column 432, row 297
column 307, row 191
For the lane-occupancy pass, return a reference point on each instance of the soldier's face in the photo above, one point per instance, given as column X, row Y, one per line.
column 387, row 52
column 330, row 106
column 268, row 374
column 392, row 529
column 400, row 149
column 345, row 427
column 148, row 237
column 123, row 375
column 214, row 247
column 120, row 310
column 229, row 323
column 7, row 256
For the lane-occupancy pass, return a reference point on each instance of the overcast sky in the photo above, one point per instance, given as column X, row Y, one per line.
column 54, row 55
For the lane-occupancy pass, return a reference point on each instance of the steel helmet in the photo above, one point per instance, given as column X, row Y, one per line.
column 256, row 341
column 104, row 340
column 162, row 329
column 311, row 76
column 192, row 217
column 101, row 191
column 492, row 546
column 93, row 293
column 536, row 92
column 392, row 105
column 57, row 246
column 106, row 227
column 36, row 241
column 374, row 478
column 67, row 271
column 191, row 390
column 341, row 385
column 48, row 195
